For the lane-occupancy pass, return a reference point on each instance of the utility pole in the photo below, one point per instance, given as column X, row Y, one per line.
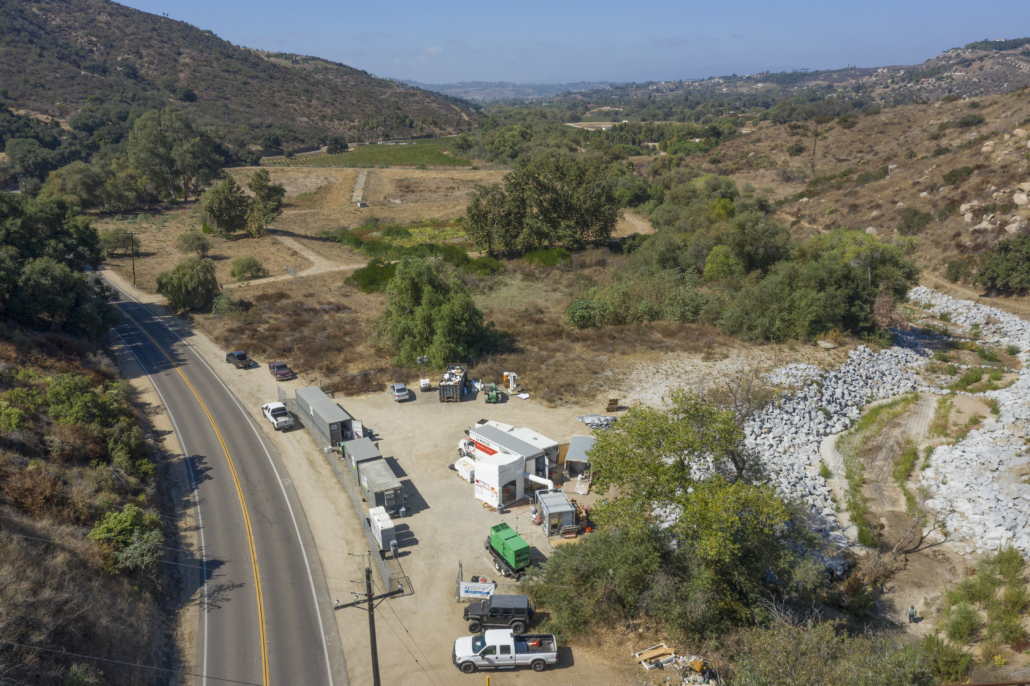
column 370, row 599
column 132, row 251
column 372, row 625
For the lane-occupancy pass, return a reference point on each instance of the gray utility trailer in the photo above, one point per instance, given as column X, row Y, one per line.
column 358, row 451
column 558, row 515
column 329, row 419
column 382, row 489
column 452, row 383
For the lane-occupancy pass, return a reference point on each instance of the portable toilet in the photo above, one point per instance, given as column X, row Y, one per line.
column 557, row 513
column 382, row 489
column 382, row 527
column 360, row 450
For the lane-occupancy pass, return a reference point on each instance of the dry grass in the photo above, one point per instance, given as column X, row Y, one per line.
column 158, row 230
column 315, row 324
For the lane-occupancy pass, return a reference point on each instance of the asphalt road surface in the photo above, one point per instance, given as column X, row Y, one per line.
column 266, row 616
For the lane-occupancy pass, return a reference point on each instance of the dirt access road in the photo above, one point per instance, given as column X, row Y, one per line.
column 419, row 439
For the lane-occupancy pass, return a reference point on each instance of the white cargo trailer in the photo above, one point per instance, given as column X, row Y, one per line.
column 500, row 479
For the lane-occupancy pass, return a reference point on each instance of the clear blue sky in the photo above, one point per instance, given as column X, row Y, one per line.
column 558, row 42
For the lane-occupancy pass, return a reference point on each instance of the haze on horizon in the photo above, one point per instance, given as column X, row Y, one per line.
column 539, row 42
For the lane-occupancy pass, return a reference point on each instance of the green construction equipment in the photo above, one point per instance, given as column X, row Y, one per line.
column 509, row 551
column 492, row 393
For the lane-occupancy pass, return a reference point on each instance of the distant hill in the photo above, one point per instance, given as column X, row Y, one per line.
column 978, row 69
column 486, row 91
column 57, row 55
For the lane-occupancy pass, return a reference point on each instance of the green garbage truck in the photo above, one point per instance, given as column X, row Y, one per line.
column 508, row 550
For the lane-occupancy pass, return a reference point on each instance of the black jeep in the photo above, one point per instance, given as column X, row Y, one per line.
column 508, row 611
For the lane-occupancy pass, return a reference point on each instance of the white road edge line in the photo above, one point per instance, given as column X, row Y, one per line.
column 196, row 493
column 296, row 528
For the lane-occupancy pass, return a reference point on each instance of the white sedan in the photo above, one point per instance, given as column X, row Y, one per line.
column 278, row 415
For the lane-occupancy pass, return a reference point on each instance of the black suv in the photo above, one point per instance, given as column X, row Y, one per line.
column 239, row 359
column 509, row 611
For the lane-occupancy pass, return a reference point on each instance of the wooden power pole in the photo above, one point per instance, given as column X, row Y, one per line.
column 372, row 625
column 369, row 600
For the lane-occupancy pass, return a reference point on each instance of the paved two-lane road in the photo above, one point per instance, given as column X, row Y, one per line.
column 252, row 526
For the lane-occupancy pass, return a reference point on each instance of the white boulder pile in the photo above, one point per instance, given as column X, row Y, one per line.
column 977, row 484
column 787, row 433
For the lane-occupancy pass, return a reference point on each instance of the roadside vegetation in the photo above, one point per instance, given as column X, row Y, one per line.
column 80, row 538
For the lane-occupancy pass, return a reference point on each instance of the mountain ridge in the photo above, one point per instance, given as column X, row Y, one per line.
column 58, row 56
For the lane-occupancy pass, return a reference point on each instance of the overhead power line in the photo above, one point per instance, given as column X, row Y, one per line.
column 127, row 664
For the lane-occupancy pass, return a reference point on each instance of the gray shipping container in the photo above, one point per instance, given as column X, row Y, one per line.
column 360, row 450
column 382, row 489
column 329, row 418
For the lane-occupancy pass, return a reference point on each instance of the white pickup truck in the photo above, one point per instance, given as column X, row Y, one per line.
column 501, row 649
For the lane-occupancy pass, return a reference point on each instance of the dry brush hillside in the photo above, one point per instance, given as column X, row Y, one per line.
column 836, row 181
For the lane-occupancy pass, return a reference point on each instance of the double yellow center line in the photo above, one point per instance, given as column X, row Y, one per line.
column 239, row 491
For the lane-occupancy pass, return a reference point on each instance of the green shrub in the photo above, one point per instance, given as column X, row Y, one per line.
column 1012, row 349
column 947, row 662
column 722, row 263
column 429, row 312
column 1007, row 266
column 631, row 243
column 485, row 266
column 247, row 268
column 956, row 175
column 795, row 149
column 395, row 231
column 191, row 285
column 962, row 623
column 785, row 655
column 909, row 154
column 351, row 240
column 115, row 528
column 375, row 248
column 11, row 419
column 372, row 277
column 944, row 316
column 548, row 257
column 586, row 314
column 1009, row 563
column 980, row 588
column 193, row 242
column 969, row 121
column 958, row 270
column 986, row 354
column 224, row 306
column 913, row 221
column 940, row 151
column 113, row 240
column 869, row 176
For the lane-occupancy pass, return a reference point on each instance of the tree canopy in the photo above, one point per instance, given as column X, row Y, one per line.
column 45, row 248
column 170, row 148
column 430, row 312
column 550, row 199
column 191, row 285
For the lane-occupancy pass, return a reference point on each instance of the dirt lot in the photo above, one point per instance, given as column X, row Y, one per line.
column 448, row 525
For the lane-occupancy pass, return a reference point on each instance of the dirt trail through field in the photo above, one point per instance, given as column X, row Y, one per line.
column 319, row 264
column 1016, row 305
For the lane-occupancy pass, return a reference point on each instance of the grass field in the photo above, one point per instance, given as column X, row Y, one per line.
column 436, row 152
